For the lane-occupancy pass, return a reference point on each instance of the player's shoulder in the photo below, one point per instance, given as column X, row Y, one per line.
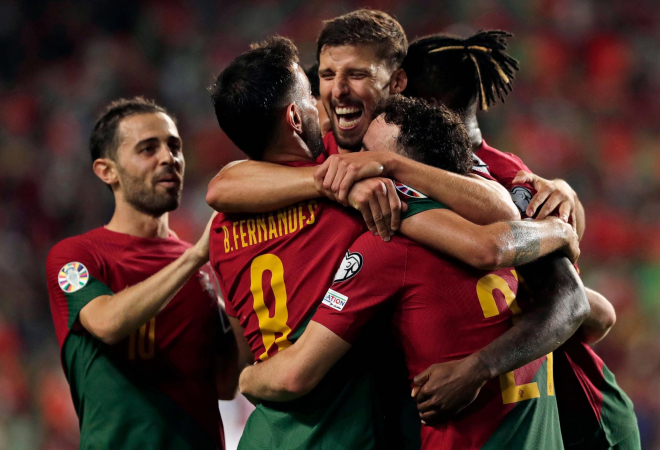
column 494, row 157
column 79, row 245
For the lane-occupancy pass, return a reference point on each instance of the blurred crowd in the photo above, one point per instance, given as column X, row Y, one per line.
column 584, row 108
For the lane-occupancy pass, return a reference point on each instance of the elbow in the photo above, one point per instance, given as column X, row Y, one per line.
column 215, row 197
column 297, row 384
column 581, row 309
column 107, row 334
column 488, row 254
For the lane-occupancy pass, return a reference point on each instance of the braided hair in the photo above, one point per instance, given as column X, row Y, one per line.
column 455, row 70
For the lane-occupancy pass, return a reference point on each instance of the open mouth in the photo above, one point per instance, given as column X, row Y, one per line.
column 348, row 116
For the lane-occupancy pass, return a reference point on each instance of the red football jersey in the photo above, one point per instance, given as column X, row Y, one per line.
column 274, row 268
column 159, row 380
column 504, row 167
column 581, row 376
column 443, row 311
column 330, row 144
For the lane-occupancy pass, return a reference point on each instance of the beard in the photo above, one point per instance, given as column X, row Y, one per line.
column 146, row 198
column 311, row 135
column 354, row 145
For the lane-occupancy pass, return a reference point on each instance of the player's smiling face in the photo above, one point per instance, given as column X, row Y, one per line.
column 352, row 80
column 150, row 163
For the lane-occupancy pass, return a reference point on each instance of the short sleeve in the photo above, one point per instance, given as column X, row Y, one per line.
column 74, row 279
column 416, row 201
column 370, row 275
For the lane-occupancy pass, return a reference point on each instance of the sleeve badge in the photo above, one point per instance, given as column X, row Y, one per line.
column 73, row 277
column 349, row 267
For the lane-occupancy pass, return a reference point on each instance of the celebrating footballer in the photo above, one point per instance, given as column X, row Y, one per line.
column 390, row 279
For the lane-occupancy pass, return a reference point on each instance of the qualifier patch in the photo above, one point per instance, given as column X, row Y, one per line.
column 349, row 267
column 407, row 191
column 73, row 277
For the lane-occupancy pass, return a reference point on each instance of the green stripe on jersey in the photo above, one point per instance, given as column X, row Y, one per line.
column 115, row 411
column 532, row 424
column 418, row 205
column 617, row 414
column 78, row 299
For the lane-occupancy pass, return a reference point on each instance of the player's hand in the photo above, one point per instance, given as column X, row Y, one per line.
column 379, row 204
column 557, row 195
column 201, row 247
column 336, row 175
column 444, row 389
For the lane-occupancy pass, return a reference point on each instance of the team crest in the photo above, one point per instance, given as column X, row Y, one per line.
column 521, row 197
column 349, row 267
column 73, row 277
column 407, row 191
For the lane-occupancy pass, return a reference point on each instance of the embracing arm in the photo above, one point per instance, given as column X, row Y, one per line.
column 601, row 319
column 111, row 318
column 560, row 306
column 488, row 247
column 258, row 186
column 297, row 370
column 478, row 200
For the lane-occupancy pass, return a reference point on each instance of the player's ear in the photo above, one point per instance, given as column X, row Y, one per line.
column 106, row 170
column 293, row 118
column 398, row 81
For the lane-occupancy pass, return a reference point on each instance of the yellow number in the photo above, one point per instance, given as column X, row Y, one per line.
column 270, row 326
column 145, row 344
column 511, row 393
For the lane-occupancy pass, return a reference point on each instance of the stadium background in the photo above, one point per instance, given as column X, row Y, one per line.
column 584, row 107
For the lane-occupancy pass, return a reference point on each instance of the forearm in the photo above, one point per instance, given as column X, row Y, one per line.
column 499, row 245
column 267, row 381
column 257, row 186
column 559, row 307
column 478, row 200
column 601, row 319
column 112, row 318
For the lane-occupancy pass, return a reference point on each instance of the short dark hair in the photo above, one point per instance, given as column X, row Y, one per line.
column 313, row 77
column 456, row 71
column 104, row 141
column 432, row 135
column 366, row 26
column 251, row 92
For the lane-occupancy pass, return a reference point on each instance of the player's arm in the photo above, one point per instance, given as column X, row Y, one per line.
column 601, row 319
column 559, row 308
column 553, row 195
column 297, row 370
column 488, row 247
column 258, row 186
column 111, row 318
column 478, row 200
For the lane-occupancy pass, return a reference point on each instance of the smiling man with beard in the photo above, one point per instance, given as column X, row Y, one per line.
column 138, row 323
column 359, row 55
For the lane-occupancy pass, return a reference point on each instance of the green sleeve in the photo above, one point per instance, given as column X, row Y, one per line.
column 418, row 205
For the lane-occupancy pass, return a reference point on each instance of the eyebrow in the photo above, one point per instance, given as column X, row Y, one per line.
column 155, row 139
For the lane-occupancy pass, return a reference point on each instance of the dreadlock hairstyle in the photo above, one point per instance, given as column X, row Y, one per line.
column 455, row 70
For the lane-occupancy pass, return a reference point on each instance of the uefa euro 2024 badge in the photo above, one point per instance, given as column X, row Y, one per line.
column 73, row 277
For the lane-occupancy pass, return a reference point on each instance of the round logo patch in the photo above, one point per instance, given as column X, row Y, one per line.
column 73, row 277
column 350, row 266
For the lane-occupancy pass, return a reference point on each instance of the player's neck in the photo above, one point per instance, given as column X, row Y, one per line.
column 474, row 132
column 127, row 220
column 288, row 150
